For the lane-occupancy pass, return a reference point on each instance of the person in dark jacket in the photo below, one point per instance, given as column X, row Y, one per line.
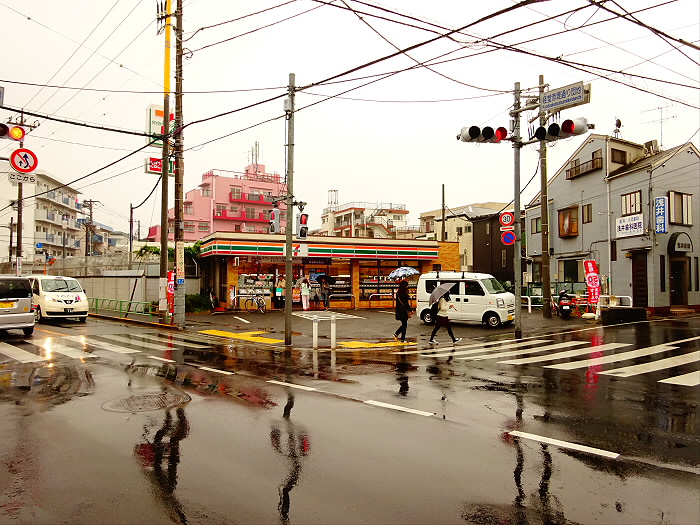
column 403, row 310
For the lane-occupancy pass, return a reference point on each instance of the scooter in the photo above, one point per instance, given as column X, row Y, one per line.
column 565, row 305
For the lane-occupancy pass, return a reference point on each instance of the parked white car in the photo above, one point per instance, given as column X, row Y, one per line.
column 56, row 296
column 16, row 310
column 477, row 297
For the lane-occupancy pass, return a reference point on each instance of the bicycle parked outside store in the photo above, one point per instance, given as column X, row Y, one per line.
column 255, row 304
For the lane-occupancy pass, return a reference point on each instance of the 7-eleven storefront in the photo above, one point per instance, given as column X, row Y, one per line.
column 240, row 264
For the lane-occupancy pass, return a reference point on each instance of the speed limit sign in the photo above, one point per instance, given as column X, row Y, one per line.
column 506, row 218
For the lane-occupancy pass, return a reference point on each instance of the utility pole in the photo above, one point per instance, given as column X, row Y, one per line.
column 165, row 17
column 131, row 234
column 442, row 237
column 544, row 217
column 179, row 307
column 289, row 110
column 89, row 227
column 517, row 146
column 12, row 231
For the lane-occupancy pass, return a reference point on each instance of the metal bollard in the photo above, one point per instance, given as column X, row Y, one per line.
column 315, row 332
column 333, row 332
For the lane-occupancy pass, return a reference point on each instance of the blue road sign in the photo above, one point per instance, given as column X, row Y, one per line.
column 508, row 238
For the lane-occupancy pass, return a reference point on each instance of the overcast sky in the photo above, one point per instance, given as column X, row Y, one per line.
column 380, row 138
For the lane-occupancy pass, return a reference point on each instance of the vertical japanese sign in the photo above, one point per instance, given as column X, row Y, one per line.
column 661, row 214
column 592, row 281
column 170, row 293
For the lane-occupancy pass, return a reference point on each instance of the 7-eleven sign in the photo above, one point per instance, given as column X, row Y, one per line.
column 154, row 123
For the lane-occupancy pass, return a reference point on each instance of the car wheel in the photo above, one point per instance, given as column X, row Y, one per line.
column 427, row 317
column 492, row 320
column 28, row 331
column 37, row 315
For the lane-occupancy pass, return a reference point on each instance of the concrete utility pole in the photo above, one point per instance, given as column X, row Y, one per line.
column 517, row 259
column 179, row 309
column 442, row 236
column 89, row 227
column 166, row 161
column 289, row 110
column 544, row 214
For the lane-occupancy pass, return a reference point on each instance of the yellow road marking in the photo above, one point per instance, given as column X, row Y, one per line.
column 364, row 344
column 246, row 336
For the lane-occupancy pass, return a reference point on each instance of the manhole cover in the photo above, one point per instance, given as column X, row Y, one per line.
column 366, row 368
column 144, row 402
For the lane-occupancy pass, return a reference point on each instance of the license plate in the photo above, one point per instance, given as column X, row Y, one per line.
column 510, row 317
column 6, row 304
column 67, row 310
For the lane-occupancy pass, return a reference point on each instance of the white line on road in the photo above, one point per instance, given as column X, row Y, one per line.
column 217, row 371
column 661, row 364
column 614, row 358
column 300, row 387
column 20, row 355
column 566, row 444
column 535, row 350
column 169, row 340
column 106, row 346
column 481, row 349
column 397, row 407
column 67, row 351
column 241, row 319
column 564, row 355
column 691, row 379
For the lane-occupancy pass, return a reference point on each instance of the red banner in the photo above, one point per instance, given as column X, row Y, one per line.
column 592, row 281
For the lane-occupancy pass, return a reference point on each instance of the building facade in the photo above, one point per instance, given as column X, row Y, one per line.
column 381, row 220
column 634, row 210
column 229, row 201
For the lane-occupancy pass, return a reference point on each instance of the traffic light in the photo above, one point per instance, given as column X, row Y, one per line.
column 568, row 128
column 12, row 132
column 275, row 220
column 487, row 134
column 302, row 225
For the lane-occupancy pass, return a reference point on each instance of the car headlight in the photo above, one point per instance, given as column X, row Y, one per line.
column 48, row 299
column 500, row 302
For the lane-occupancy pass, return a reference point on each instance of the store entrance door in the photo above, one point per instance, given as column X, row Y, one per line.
column 679, row 283
column 640, row 285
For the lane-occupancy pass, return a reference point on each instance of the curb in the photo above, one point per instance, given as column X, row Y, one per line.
column 136, row 321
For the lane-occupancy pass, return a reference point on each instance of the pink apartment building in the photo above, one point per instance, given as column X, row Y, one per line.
column 229, row 201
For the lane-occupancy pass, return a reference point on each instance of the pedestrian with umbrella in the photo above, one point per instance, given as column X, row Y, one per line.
column 403, row 272
column 441, row 297
column 403, row 310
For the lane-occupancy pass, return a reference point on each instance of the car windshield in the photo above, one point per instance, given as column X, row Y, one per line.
column 14, row 289
column 492, row 285
column 60, row 285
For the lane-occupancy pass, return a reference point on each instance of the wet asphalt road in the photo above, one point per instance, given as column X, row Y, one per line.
column 201, row 429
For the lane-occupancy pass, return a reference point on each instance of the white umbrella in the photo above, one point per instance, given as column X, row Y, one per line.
column 403, row 271
column 439, row 291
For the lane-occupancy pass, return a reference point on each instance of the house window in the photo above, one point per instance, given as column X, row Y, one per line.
column 568, row 222
column 235, row 192
column 188, row 209
column 488, row 228
column 536, row 225
column 680, row 211
column 206, row 192
column 469, row 228
column 587, row 212
column 189, row 227
column 250, row 214
column 220, row 210
column 632, row 203
column 459, row 230
column 203, row 227
column 618, row 156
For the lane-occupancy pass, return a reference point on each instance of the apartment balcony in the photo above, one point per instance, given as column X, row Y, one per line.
column 241, row 216
column 258, row 198
column 47, row 238
column 591, row 165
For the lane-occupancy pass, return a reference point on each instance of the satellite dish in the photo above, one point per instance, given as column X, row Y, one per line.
column 618, row 123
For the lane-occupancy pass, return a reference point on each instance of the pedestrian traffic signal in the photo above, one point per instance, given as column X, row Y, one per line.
column 568, row 128
column 487, row 134
column 275, row 220
column 302, row 225
column 12, row 132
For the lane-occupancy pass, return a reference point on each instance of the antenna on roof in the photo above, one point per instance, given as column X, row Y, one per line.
column 618, row 125
column 660, row 121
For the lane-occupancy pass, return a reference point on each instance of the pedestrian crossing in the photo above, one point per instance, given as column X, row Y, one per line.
column 563, row 356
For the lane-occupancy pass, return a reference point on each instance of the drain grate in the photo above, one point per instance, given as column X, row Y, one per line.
column 145, row 402
column 366, row 368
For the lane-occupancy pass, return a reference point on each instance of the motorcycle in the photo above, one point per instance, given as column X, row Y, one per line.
column 565, row 305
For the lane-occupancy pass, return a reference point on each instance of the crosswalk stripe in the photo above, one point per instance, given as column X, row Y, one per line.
column 136, row 342
column 546, row 348
column 68, row 351
column 690, row 379
column 101, row 344
column 482, row 348
column 326, row 315
column 20, row 355
column 661, row 364
column 177, row 342
column 614, row 357
column 564, row 355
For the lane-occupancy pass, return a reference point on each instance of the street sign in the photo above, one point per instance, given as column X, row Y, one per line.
column 24, row 178
column 508, row 238
column 569, row 96
column 39, row 245
column 661, row 214
column 507, row 218
column 23, row 160
column 155, row 165
column 154, row 123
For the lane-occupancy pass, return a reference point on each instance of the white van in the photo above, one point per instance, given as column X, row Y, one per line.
column 58, row 297
column 16, row 310
column 477, row 297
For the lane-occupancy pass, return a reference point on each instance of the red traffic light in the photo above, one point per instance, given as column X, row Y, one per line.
column 304, row 219
column 568, row 128
column 12, row 132
column 486, row 134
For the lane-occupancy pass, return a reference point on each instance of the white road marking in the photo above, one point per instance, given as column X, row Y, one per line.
column 545, row 348
column 66, row 350
column 325, row 315
column 165, row 341
column 241, row 319
column 133, row 342
column 160, row 359
column 217, row 371
column 20, row 355
column 482, row 349
column 106, row 346
column 300, row 387
column 661, row 364
column 564, row 355
column 690, row 379
column 399, row 408
column 614, row 357
column 566, row 444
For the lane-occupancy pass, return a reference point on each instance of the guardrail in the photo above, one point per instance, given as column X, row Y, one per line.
column 369, row 300
column 99, row 305
column 351, row 296
column 529, row 299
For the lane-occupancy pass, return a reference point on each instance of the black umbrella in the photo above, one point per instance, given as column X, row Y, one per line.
column 323, row 277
